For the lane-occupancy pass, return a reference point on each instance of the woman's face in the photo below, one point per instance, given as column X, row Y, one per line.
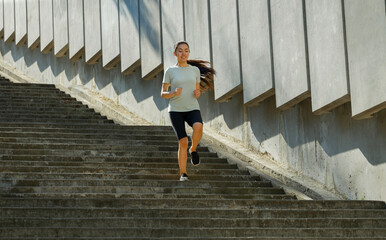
column 182, row 53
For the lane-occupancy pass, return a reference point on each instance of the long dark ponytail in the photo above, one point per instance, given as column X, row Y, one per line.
column 206, row 74
column 206, row 71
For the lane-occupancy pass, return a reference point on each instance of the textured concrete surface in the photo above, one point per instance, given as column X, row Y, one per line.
column 92, row 34
column 256, row 54
column 172, row 29
column 1, row 19
column 317, row 148
column 110, row 33
column 9, row 20
column 20, row 22
column 225, row 48
column 197, row 20
column 150, row 37
column 366, row 47
column 289, row 51
column 327, row 55
column 46, row 26
column 33, row 28
column 60, row 27
column 75, row 29
column 129, row 35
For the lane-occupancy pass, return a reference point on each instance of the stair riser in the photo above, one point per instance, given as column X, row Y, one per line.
column 194, row 223
column 199, row 232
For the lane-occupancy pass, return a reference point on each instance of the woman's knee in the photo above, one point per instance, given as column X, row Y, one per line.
column 183, row 143
column 197, row 126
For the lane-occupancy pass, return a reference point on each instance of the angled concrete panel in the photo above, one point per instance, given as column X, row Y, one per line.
column 150, row 38
column 75, row 29
column 9, row 20
column 289, row 53
column 172, row 29
column 197, row 21
column 255, row 42
column 33, row 28
column 1, row 19
column 129, row 35
column 110, row 33
column 20, row 22
column 366, row 47
column 327, row 55
column 46, row 26
column 225, row 46
column 60, row 28
column 92, row 31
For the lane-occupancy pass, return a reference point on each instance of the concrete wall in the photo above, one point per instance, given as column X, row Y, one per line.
column 33, row 27
column 9, row 20
column 294, row 56
column 46, row 20
column 92, row 33
column 20, row 22
column 327, row 51
column 1, row 18
column 75, row 29
column 60, row 27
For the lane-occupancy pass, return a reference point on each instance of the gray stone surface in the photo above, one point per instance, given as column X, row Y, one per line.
column 150, row 38
column 225, row 47
column 75, row 29
column 196, row 15
column 289, row 51
column 60, row 27
column 335, row 150
column 1, row 19
column 172, row 29
column 46, row 26
column 327, row 55
column 9, row 20
column 366, row 47
column 256, row 54
column 110, row 33
column 129, row 35
column 92, row 34
column 33, row 27
column 20, row 22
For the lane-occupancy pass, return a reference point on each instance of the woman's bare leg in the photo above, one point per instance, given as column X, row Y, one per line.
column 197, row 135
column 182, row 154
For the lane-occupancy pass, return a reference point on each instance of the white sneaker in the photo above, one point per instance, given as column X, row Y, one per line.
column 184, row 177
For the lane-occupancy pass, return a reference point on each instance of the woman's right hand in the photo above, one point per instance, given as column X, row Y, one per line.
column 178, row 91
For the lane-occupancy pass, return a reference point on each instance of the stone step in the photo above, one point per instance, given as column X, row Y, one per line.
column 150, row 151
column 101, row 147
column 122, row 170
column 361, row 223
column 193, row 232
column 49, row 117
column 85, row 159
column 144, row 175
column 75, row 120
column 45, row 110
column 22, row 99
column 31, row 126
column 16, row 105
column 159, row 196
column 4, row 83
column 78, row 132
column 96, row 135
column 203, row 165
column 207, row 238
column 34, row 94
column 88, row 141
column 309, row 208
column 145, row 183
column 139, row 190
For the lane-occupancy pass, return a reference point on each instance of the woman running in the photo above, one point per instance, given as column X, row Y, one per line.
column 187, row 80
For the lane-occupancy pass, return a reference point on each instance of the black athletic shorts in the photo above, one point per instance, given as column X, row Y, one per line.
column 178, row 120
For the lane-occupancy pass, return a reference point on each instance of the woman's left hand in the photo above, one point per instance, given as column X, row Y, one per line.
column 196, row 93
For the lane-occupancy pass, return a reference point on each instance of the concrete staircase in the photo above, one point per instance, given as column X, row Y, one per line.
column 67, row 172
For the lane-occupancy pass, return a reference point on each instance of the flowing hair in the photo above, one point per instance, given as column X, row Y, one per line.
column 206, row 71
column 206, row 74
